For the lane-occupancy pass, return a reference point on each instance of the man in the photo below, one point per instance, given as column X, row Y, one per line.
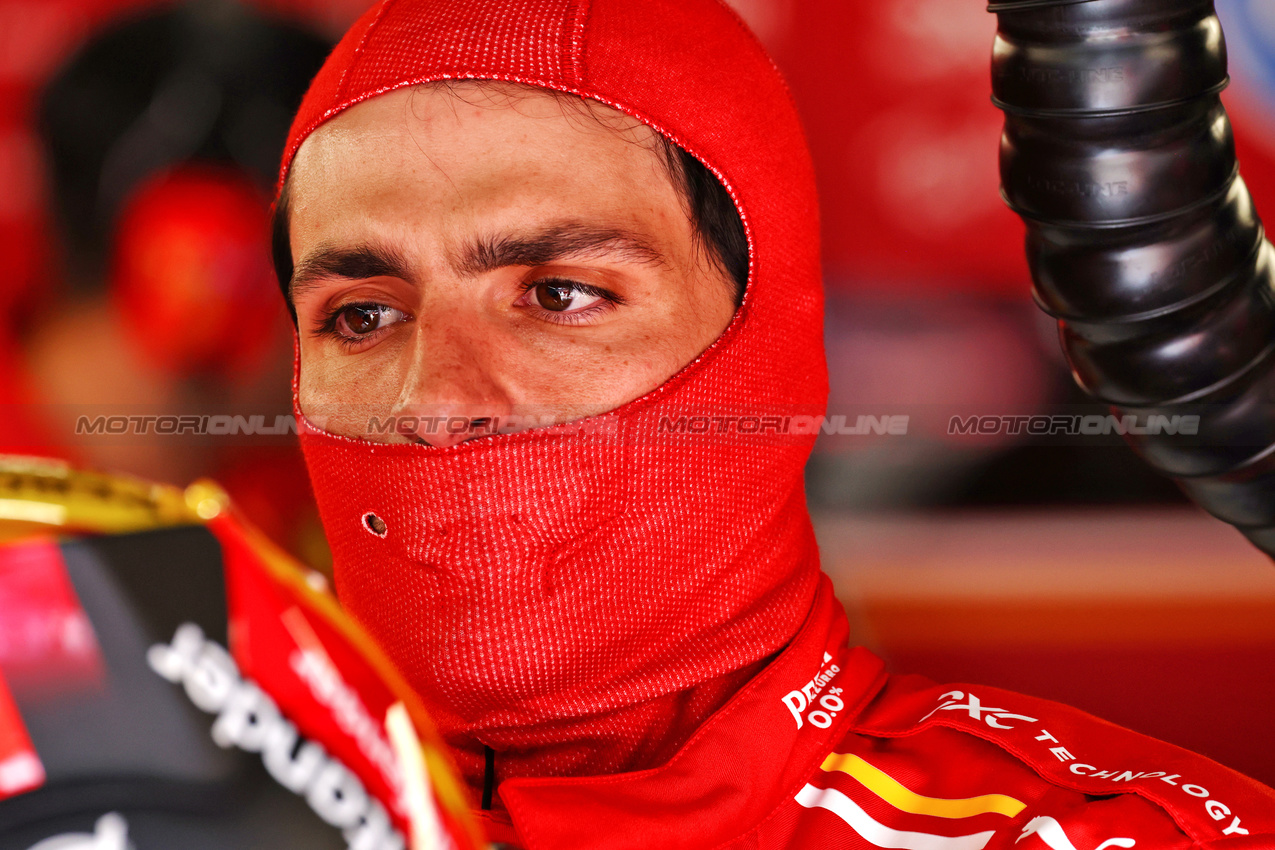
column 559, row 456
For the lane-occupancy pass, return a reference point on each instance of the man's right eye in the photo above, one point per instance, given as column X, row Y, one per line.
column 353, row 322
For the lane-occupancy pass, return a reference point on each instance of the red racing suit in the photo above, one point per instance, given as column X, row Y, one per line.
column 825, row 749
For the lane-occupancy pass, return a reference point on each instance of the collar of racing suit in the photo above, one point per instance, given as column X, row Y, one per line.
column 579, row 599
column 749, row 757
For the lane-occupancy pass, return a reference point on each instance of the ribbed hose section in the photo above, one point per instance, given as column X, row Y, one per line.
column 1142, row 239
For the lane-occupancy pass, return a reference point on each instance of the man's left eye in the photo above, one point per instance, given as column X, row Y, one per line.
column 560, row 296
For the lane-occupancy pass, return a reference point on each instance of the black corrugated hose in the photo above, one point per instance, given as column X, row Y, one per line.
column 1142, row 238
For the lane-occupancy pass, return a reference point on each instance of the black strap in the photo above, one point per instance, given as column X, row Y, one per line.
column 489, row 776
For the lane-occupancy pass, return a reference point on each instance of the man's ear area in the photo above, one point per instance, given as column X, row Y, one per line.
column 717, row 224
column 281, row 246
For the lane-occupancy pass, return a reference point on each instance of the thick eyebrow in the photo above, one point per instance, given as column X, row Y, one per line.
column 358, row 263
column 555, row 243
column 571, row 240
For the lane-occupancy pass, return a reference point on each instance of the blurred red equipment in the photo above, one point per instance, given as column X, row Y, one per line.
column 191, row 274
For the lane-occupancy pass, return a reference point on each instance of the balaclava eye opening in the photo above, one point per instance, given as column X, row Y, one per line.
column 580, row 598
column 712, row 213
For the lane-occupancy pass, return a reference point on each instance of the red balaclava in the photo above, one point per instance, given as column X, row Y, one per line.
column 580, row 598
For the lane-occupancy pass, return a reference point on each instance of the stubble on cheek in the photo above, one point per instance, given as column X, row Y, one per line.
column 342, row 396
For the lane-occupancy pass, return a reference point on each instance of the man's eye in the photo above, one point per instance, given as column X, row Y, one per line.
column 561, row 296
column 358, row 320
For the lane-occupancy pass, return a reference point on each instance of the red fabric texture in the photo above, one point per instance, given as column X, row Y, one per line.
column 951, row 767
column 580, row 598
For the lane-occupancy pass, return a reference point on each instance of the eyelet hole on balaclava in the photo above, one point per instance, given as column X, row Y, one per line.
column 375, row 525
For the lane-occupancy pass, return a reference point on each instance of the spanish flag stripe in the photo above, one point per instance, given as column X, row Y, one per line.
column 878, row 833
column 906, row 800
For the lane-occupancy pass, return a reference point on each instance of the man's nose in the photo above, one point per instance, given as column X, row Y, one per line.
column 453, row 390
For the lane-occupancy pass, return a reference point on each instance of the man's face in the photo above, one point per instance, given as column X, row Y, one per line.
column 486, row 252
